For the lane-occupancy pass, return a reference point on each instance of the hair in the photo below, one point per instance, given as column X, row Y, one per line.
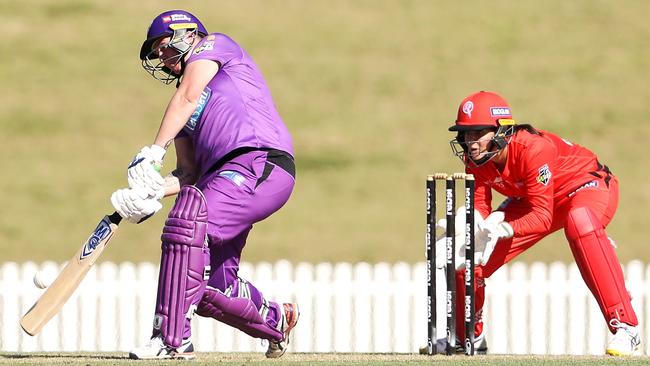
column 529, row 128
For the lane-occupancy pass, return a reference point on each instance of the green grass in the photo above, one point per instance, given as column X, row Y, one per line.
column 316, row 359
column 367, row 88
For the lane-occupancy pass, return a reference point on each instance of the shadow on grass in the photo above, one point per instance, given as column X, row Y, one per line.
column 60, row 356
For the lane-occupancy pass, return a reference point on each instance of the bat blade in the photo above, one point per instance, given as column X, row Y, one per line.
column 56, row 295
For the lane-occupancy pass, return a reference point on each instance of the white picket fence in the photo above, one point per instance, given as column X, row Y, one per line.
column 530, row 309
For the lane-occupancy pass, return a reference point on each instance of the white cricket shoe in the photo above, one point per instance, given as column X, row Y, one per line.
column 626, row 341
column 157, row 349
column 480, row 345
column 289, row 320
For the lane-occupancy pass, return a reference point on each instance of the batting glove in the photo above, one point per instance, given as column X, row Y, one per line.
column 144, row 171
column 134, row 204
column 489, row 233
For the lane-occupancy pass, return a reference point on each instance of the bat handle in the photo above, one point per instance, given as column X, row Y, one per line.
column 115, row 218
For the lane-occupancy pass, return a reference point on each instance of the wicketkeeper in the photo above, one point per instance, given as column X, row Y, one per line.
column 235, row 167
column 551, row 184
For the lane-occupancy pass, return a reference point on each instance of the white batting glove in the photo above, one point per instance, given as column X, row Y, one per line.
column 489, row 233
column 134, row 205
column 144, row 171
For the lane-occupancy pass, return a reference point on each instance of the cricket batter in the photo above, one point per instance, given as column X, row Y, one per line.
column 551, row 184
column 235, row 167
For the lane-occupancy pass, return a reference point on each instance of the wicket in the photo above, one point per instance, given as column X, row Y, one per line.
column 450, row 246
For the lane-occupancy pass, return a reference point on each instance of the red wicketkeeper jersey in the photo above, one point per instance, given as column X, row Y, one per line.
column 541, row 170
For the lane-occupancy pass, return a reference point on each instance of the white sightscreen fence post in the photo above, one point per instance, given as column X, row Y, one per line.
column 342, row 307
column 645, row 327
column 381, row 308
column 11, row 310
column 519, row 291
column 323, row 309
column 558, row 320
column 107, row 295
column 304, row 293
column 538, row 309
column 362, row 323
column 401, row 310
column 496, row 311
column 577, row 308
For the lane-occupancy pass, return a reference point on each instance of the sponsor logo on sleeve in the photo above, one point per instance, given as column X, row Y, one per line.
column 499, row 111
column 544, row 175
column 190, row 125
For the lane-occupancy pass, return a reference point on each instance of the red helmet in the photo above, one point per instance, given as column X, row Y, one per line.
column 481, row 110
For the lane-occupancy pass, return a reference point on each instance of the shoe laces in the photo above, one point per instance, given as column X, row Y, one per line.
column 615, row 323
column 156, row 341
column 618, row 325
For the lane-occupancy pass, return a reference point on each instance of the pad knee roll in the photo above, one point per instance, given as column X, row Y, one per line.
column 595, row 256
column 183, row 265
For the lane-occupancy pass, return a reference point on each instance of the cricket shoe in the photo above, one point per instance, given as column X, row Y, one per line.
column 626, row 341
column 480, row 345
column 157, row 349
column 287, row 323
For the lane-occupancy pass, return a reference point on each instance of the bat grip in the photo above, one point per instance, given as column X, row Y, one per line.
column 115, row 218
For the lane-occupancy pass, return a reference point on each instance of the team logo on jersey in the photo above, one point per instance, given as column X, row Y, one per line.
column 468, row 107
column 206, row 46
column 499, row 111
column 544, row 174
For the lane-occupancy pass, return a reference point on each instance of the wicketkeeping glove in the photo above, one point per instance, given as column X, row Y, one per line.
column 489, row 233
column 459, row 227
column 144, row 171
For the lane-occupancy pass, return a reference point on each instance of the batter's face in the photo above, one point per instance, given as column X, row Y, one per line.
column 478, row 143
column 169, row 56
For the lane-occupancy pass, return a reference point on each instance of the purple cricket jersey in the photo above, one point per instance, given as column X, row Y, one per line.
column 235, row 109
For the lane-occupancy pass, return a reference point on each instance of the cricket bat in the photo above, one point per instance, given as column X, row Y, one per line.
column 52, row 300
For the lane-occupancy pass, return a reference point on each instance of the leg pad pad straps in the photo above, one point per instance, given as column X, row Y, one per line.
column 238, row 312
column 599, row 265
column 183, row 264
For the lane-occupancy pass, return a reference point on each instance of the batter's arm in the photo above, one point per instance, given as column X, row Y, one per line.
column 196, row 77
column 186, row 171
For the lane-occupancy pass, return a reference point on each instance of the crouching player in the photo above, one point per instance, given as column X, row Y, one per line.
column 551, row 184
column 234, row 168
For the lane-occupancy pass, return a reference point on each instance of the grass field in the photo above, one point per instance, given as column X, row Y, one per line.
column 318, row 359
column 367, row 87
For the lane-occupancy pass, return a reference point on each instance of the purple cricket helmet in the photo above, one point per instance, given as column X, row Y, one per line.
column 181, row 26
column 166, row 24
